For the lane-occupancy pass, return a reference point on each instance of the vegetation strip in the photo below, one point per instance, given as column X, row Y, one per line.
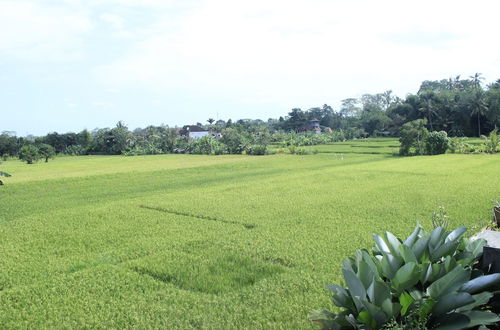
column 202, row 217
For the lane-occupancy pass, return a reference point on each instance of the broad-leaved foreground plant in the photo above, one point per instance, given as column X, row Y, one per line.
column 426, row 281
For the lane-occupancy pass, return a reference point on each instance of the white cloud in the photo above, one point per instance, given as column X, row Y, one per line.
column 35, row 32
column 297, row 51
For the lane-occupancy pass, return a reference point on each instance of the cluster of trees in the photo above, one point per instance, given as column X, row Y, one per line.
column 459, row 107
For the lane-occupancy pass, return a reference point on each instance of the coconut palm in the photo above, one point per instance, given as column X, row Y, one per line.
column 428, row 107
column 478, row 107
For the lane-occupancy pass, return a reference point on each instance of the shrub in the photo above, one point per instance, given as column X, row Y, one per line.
column 29, row 154
column 5, row 157
column 458, row 145
column 206, row 145
column 75, row 150
column 436, row 143
column 425, row 281
column 256, row 150
column 412, row 136
column 492, row 141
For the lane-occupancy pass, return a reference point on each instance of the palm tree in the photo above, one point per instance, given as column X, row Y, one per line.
column 428, row 106
column 476, row 80
column 478, row 107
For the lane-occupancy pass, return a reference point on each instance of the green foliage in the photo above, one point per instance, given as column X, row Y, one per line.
column 256, row 150
column 74, row 236
column 412, row 137
column 29, row 154
column 206, row 145
column 46, row 151
column 492, row 142
column 436, row 143
column 425, row 279
column 234, row 141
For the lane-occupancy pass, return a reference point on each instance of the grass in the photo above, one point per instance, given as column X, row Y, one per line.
column 181, row 241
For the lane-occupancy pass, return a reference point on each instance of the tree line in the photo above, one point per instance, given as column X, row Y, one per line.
column 457, row 106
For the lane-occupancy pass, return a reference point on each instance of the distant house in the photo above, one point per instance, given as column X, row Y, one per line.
column 311, row 126
column 194, row 131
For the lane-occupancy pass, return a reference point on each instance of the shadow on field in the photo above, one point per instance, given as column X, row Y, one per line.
column 202, row 217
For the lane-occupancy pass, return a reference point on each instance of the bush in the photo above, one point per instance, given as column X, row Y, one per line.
column 436, row 143
column 29, row 154
column 206, row 145
column 425, row 281
column 412, row 137
column 75, row 150
column 256, row 150
column 492, row 141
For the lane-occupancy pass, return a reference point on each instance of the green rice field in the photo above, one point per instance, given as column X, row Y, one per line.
column 213, row 242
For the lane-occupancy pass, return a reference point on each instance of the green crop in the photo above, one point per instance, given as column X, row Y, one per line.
column 192, row 241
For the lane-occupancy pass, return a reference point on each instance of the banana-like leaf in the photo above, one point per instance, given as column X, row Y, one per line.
column 376, row 313
column 407, row 254
column 378, row 292
column 365, row 318
column 444, row 250
column 391, row 309
column 341, row 297
column 420, row 246
column 448, row 283
column 452, row 301
column 371, row 263
column 5, row 174
column 452, row 321
column 476, row 247
column 481, row 318
column 381, row 244
column 479, row 299
column 365, row 274
column 406, row 277
column 406, row 300
column 413, row 237
column 355, row 286
column 435, row 237
column 393, row 243
column 480, row 283
column 455, row 235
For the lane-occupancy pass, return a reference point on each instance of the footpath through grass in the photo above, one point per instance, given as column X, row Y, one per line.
column 183, row 241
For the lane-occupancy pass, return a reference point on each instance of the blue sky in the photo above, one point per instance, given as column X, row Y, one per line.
column 68, row 65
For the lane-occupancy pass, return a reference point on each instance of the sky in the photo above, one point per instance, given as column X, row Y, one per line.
column 69, row 65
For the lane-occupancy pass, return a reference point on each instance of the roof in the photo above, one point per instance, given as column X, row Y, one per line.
column 194, row 128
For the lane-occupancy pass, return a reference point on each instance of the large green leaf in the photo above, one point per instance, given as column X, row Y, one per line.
column 443, row 250
column 378, row 292
column 481, row 318
column 455, row 235
column 480, row 283
column 407, row 254
column 413, row 237
column 448, row 283
column 420, row 246
column 406, row 277
column 391, row 309
column 406, row 300
column 479, row 299
column 393, row 243
column 341, row 297
column 452, row 301
column 354, row 284
column 365, row 274
column 436, row 236
column 381, row 244
column 452, row 321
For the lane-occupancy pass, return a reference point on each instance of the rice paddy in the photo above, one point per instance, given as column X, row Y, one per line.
column 185, row 241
